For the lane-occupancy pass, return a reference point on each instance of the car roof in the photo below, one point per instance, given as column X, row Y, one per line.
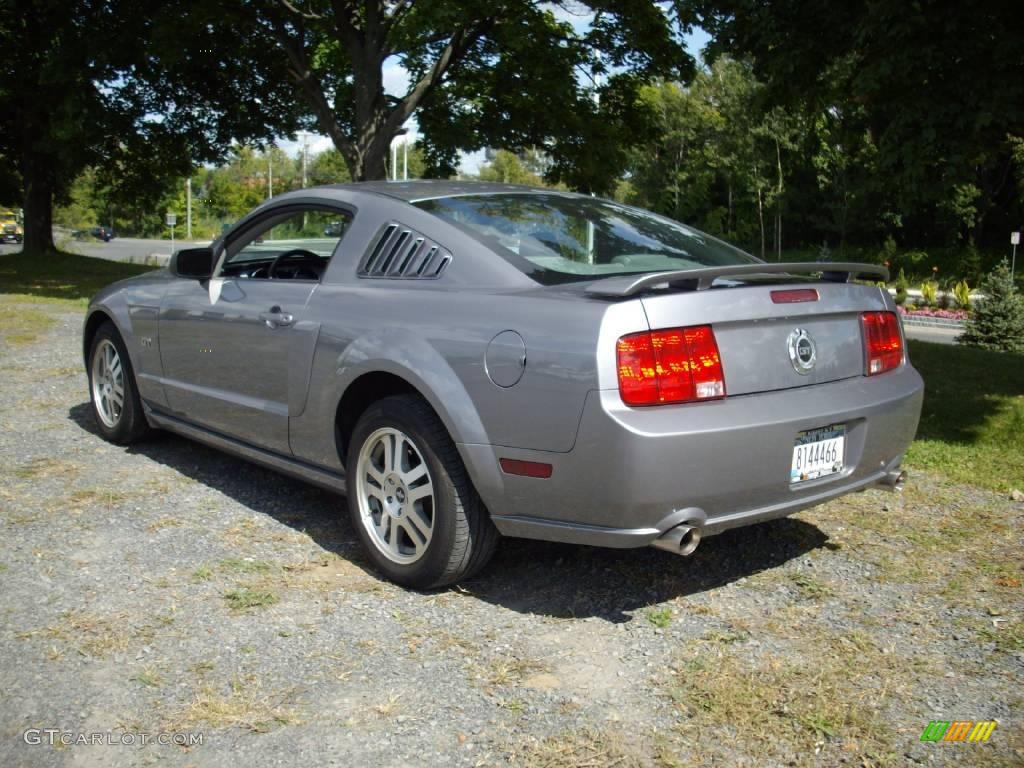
column 429, row 189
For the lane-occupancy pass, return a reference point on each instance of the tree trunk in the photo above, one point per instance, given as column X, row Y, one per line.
column 778, row 201
column 728, row 220
column 39, row 182
column 760, row 218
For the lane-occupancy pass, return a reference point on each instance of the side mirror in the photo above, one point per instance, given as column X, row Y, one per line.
column 193, row 263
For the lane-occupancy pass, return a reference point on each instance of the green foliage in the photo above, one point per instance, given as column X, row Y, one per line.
column 105, row 85
column 941, row 136
column 902, row 286
column 929, row 290
column 970, row 263
column 510, row 75
column 998, row 319
column 914, row 262
column 328, row 168
column 716, row 157
column 889, row 252
column 962, row 295
column 508, row 169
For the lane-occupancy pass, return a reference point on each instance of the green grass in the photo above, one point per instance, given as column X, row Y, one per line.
column 63, row 276
column 20, row 325
column 239, row 565
column 972, row 424
column 659, row 617
column 244, row 598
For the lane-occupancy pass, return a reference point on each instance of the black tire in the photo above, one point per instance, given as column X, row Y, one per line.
column 463, row 536
column 128, row 424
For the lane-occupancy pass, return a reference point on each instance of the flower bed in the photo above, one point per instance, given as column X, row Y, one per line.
column 939, row 314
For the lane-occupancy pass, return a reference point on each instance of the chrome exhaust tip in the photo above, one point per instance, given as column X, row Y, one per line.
column 894, row 480
column 681, row 540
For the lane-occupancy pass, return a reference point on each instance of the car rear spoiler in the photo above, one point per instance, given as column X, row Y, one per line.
column 701, row 279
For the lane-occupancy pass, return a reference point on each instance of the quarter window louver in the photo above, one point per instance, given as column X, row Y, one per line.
column 400, row 252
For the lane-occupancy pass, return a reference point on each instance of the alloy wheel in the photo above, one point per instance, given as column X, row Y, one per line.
column 108, row 383
column 395, row 494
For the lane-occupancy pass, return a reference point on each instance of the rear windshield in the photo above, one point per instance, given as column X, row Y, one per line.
column 558, row 239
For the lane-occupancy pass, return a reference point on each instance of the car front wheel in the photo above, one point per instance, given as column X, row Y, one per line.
column 115, row 400
column 410, row 497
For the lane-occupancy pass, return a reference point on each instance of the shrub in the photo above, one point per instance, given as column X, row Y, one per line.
column 913, row 261
column 889, row 252
column 962, row 294
column 998, row 320
column 902, row 286
column 944, row 300
column 929, row 290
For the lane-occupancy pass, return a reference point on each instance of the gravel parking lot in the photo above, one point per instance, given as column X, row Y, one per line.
column 170, row 589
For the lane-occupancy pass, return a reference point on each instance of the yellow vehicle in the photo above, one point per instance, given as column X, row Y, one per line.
column 10, row 227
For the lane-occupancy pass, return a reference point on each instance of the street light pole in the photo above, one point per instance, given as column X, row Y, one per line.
column 1014, row 241
column 270, row 176
column 188, row 208
column 305, row 152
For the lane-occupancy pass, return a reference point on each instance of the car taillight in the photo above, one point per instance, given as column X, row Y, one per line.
column 675, row 365
column 883, row 345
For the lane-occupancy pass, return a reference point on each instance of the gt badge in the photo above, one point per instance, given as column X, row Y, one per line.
column 802, row 352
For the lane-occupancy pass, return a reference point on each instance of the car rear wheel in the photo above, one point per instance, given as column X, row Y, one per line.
column 115, row 399
column 410, row 498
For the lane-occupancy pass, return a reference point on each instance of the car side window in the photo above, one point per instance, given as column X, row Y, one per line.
column 294, row 245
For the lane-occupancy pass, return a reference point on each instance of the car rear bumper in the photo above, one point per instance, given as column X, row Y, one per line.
column 634, row 473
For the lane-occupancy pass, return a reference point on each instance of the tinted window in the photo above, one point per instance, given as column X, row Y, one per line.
column 557, row 239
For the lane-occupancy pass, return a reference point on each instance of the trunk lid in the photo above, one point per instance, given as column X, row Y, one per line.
column 758, row 338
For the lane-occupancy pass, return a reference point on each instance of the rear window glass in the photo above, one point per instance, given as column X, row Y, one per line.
column 557, row 239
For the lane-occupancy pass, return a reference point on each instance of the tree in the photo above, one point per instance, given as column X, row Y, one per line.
column 99, row 83
column 328, row 167
column 507, row 74
column 56, row 119
column 940, row 86
column 508, row 169
column 998, row 321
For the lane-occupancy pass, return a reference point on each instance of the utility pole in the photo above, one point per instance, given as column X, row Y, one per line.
column 405, row 158
column 305, row 151
column 403, row 133
column 188, row 208
column 270, row 176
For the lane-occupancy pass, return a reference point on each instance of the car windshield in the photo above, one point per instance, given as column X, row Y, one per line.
column 556, row 238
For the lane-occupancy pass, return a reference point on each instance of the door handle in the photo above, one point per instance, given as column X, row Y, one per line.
column 275, row 318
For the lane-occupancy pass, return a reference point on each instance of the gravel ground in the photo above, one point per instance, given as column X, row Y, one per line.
column 170, row 589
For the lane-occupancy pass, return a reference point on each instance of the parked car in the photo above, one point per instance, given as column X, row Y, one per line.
column 468, row 360
column 10, row 228
column 106, row 234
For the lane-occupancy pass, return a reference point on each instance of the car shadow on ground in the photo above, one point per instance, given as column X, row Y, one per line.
column 557, row 580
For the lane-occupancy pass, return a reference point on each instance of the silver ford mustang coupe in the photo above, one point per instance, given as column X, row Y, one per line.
column 467, row 359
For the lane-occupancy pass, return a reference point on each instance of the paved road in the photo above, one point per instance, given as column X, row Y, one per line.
column 932, row 334
column 126, row 249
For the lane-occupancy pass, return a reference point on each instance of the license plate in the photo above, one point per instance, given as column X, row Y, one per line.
column 818, row 453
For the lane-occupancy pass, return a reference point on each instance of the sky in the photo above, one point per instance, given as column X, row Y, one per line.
column 396, row 83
